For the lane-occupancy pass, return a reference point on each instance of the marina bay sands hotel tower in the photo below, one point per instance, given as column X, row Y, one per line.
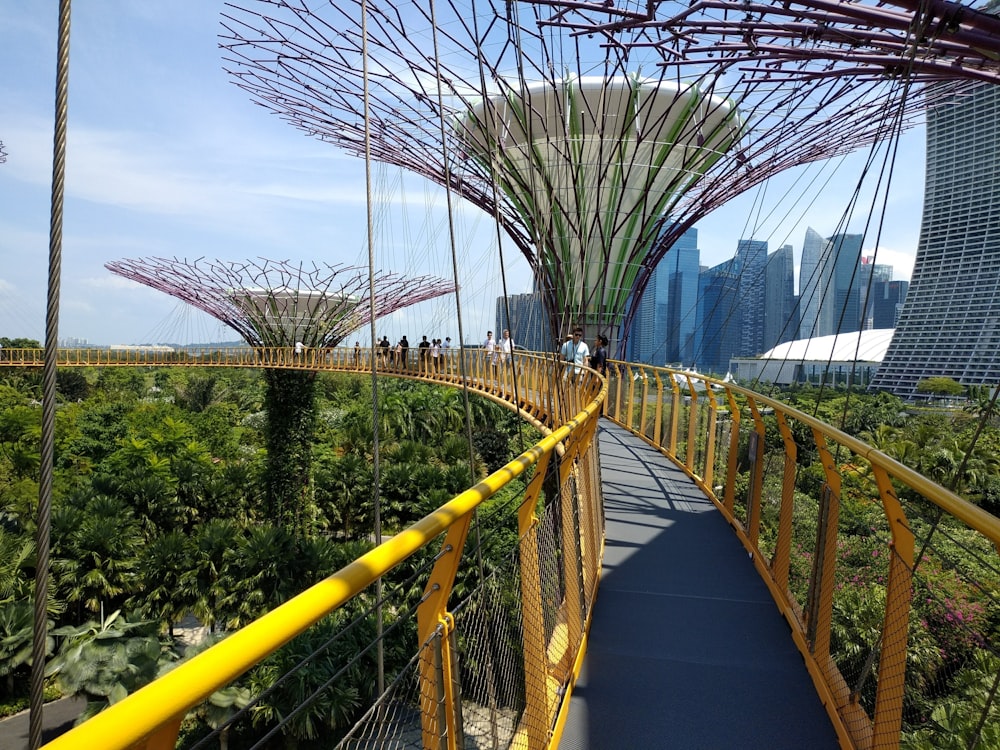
column 950, row 323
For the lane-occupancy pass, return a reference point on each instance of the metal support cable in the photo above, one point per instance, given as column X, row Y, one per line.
column 39, row 634
column 376, row 496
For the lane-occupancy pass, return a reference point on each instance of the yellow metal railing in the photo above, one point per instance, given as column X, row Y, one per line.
column 559, row 522
column 862, row 555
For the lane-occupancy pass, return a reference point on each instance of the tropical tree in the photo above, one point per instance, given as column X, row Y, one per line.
column 940, row 386
column 316, row 683
column 96, row 546
column 16, row 639
column 260, row 573
column 344, row 494
column 105, row 660
column 206, row 582
column 161, row 593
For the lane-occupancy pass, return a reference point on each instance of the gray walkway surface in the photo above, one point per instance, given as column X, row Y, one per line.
column 58, row 718
column 687, row 648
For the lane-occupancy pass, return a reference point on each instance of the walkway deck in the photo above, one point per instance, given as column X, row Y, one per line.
column 687, row 648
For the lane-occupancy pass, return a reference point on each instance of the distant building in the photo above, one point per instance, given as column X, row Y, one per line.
column 842, row 305
column 781, row 313
column 529, row 325
column 750, row 266
column 720, row 318
column 887, row 302
column 813, row 281
column 847, row 359
column 950, row 324
column 664, row 324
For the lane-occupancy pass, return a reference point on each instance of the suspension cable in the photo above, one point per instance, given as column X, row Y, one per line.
column 376, row 494
column 40, row 625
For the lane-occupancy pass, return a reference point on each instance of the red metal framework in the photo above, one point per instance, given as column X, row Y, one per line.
column 281, row 303
column 924, row 40
column 431, row 63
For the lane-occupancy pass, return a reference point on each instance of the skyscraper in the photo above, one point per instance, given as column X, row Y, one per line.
column 842, row 303
column 529, row 326
column 887, row 302
column 950, row 324
column 781, row 315
column 720, row 318
column 663, row 326
column 813, row 281
column 750, row 265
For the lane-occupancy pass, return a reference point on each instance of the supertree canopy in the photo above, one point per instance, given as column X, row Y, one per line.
column 280, row 303
column 592, row 191
column 527, row 109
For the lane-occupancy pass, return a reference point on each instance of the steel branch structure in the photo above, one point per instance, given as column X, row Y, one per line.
column 593, row 136
column 924, row 40
column 279, row 303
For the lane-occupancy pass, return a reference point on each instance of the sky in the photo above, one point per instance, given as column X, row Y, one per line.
column 167, row 157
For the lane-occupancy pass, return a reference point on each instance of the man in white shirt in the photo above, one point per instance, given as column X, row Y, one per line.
column 575, row 351
column 506, row 347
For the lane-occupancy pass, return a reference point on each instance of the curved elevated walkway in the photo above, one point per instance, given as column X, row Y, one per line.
column 687, row 648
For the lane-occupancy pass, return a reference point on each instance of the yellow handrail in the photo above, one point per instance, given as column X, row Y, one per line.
column 698, row 422
column 878, row 724
column 151, row 717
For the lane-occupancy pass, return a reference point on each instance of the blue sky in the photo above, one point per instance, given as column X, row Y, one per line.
column 167, row 157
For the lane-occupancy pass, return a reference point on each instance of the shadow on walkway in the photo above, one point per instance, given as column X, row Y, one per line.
column 58, row 718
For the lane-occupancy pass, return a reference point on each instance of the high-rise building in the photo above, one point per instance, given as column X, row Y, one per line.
column 842, row 304
column 720, row 318
column 950, row 324
column 813, row 281
column 887, row 302
column 750, row 266
column 663, row 327
column 781, row 315
column 529, row 325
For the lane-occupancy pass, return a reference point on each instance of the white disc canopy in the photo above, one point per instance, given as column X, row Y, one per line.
column 593, row 166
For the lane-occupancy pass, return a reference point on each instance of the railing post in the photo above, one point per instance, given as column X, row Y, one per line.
column 536, row 693
column 729, row 494
column 630, row 404
column 658, row 423
column 675, row 405
column 755, row 451
column 431, row 618
column 692, row 424
column 642, row 402
column 708, row 472
column 889, row 693
column 780, row 562
column 618, row 391
column 821, row 582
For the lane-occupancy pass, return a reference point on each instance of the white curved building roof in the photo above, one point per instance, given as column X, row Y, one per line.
column 860, row 346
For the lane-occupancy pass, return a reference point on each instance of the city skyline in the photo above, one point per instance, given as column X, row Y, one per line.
column 166, row 157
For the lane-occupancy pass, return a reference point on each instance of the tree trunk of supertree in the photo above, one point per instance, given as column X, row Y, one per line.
column 291, row 418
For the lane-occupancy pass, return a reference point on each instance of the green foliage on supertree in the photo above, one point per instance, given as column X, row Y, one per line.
column 290, row 404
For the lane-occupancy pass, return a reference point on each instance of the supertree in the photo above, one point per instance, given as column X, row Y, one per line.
column 281, row 304
column 594, row 133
